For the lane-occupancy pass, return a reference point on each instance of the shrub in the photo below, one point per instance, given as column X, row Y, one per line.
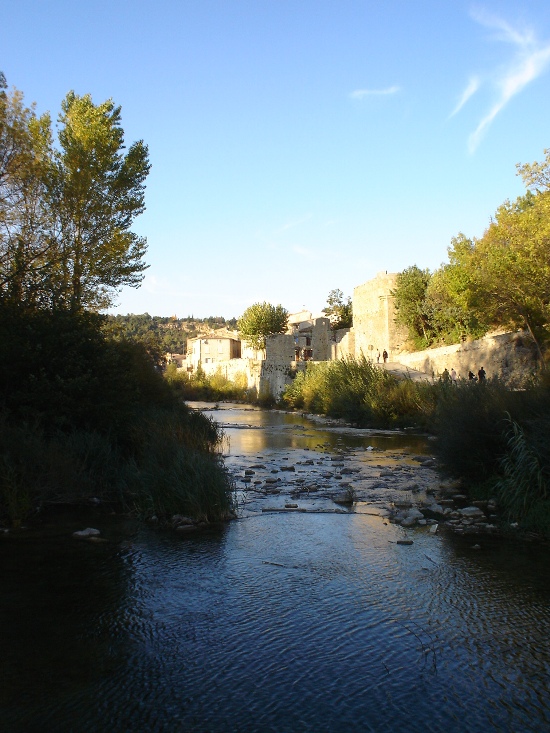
column 471, row 421
column 353, row 389
column 211, row 388
column 523, row 490
column 82, row 416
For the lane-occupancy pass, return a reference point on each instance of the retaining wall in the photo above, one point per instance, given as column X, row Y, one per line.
column 509, row 356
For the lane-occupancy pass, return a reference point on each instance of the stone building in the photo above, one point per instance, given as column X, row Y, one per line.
column 310, row 339
column 373, row 318
column 214, row 348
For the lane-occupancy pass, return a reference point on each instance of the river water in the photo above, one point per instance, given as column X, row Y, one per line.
column 281, row 621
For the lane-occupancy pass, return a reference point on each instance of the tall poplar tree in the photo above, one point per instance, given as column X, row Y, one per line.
column 96, row 191
column 25, row 247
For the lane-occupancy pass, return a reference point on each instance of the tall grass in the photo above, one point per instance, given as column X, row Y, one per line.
column 523, row 490
column 169, row 465
column 211, row 388
column 356, row 390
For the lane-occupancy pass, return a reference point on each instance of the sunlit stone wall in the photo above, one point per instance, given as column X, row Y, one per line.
column 373, row 318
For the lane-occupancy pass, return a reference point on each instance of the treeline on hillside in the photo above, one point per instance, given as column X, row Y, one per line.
column 501, row 279
column 82, row 415
column 161, row 334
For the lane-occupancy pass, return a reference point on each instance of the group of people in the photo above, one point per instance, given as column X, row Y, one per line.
column 481, row 376
column 384, row 356
column 453, row 376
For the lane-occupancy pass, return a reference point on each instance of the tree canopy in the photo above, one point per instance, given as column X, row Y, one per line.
column 339, row 310
column 260, row 321
column 410, row 302
column 66, row 209
column 501, row 279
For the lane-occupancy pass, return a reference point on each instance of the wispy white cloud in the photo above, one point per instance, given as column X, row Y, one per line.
column 308, row 254
column 531, row 58
column 471, row 89
column 361, row 93
column 294, row 223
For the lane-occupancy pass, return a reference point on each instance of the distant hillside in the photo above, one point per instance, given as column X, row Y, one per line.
column 163, row 334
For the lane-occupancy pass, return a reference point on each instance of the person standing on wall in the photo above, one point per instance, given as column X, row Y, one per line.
column 385, row 356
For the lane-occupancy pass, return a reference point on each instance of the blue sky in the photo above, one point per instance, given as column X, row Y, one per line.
column 298, row 146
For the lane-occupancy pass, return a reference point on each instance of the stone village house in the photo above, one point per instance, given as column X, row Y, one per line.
column 308, row 338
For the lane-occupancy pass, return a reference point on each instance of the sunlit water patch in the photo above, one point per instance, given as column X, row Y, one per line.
column 278, row 622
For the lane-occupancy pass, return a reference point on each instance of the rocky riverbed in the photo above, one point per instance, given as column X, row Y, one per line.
column 398, row 486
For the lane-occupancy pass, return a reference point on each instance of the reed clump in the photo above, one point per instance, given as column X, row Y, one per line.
column 355, row 390
column 216, row 387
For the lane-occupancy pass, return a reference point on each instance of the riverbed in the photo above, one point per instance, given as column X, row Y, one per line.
column 306, row 618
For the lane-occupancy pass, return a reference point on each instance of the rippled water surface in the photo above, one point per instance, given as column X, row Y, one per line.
column 278, row 622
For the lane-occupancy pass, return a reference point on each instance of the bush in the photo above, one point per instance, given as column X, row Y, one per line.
column 523, row 491
column 471, row 421
column 210, row 388
column 82, row 416
column 356, row 390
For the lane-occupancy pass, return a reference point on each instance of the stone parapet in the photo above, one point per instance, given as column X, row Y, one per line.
column 509, row 356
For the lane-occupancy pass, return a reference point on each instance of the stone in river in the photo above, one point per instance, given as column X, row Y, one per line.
column 86, row 533
column 472, row 512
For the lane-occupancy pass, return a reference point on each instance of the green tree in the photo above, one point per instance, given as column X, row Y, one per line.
column 95, row 192
column 260, row 321
column 25, row 244
column 450, row 300
column 512, row 263
column 410, row 303
column 338, row 310
column 536, row 175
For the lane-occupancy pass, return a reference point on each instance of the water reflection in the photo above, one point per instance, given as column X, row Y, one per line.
column 252, row 430
column 295, row 622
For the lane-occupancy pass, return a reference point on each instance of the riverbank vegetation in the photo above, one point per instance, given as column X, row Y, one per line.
column 495, row 439
column 85, row 416
column 208, row 387
column 85, row 419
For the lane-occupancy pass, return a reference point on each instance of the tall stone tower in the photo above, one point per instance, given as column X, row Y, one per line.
column 373, row 318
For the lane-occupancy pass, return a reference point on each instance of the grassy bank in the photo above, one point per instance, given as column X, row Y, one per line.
column 215, row 387
column 494, row 439
column 86, row 418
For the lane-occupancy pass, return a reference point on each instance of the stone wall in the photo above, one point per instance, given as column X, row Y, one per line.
column 373, row 318
column 509, row 356
column 321, row 339
column 280, row 348
column 274, row 377
column 342, row 344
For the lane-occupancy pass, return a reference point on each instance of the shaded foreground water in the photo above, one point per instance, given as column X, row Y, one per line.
column 278, row 622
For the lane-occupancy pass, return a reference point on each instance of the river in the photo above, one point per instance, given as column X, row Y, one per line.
column 306, row 620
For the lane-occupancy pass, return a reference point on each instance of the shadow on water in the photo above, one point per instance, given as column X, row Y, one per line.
column 295, row 622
